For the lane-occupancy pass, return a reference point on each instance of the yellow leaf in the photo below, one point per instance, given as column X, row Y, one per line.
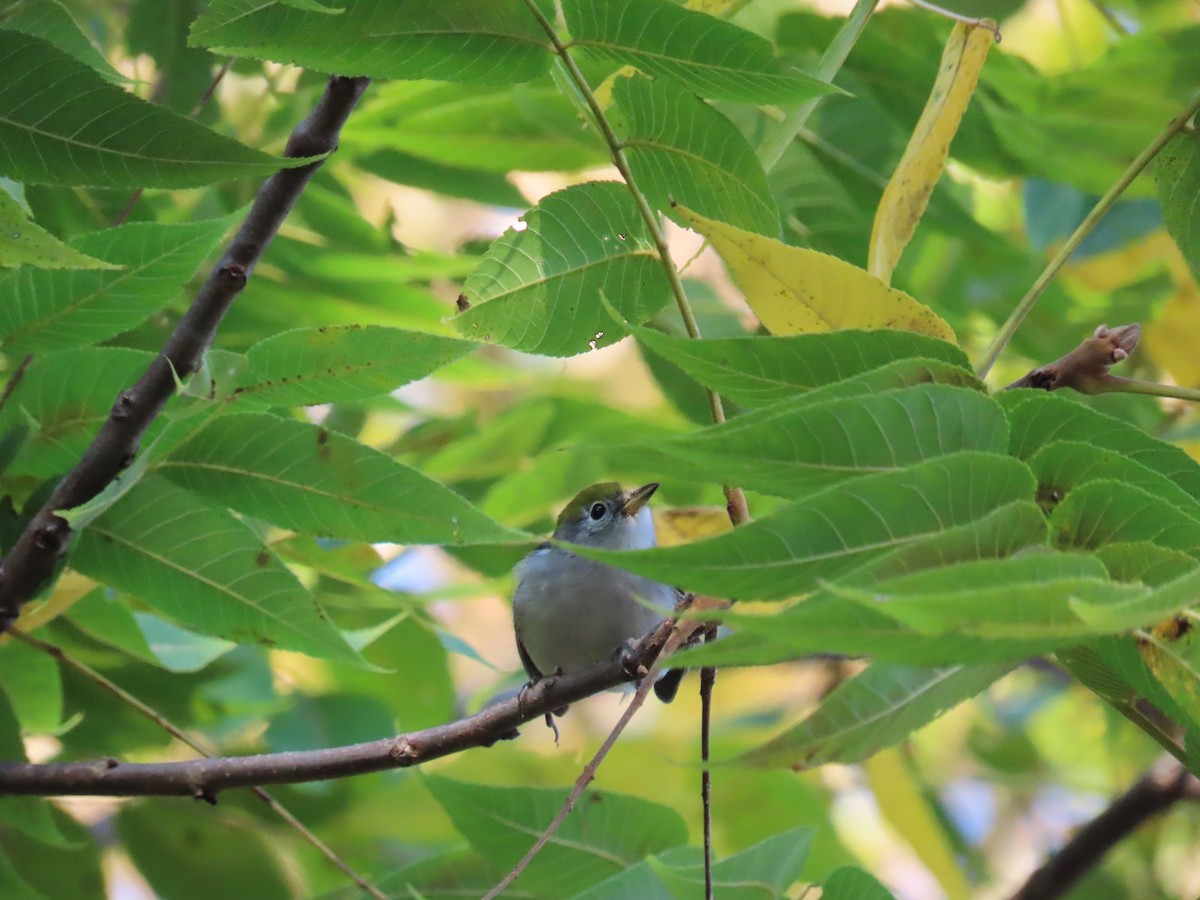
column 603, row 93
column 907, row 194
column 907, row 810
column 794, row 290
column 684, row 524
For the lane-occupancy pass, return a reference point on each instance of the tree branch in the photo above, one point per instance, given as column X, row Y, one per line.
column 1085, row 368
column 1165, row 783
column 204, row 778
column 33, row 558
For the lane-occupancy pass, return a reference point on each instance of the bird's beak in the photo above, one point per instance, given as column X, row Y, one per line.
column 639, row 498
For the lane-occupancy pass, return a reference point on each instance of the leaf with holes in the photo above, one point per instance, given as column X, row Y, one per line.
column 538, row 288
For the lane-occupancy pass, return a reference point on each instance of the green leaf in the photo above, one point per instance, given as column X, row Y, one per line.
column 173, row 846
column 145, row 636
column 1029, row 596
column 605, row 834
column 24, row 243
column 1150, row 607
column 876, row 709
column 795, row 447
column 52, row 310
column 497, row 42
column 849, row 883
column 83, row 130
column 1064, row 465
column 1105, row 511
column 69, row 395
column 300, row 476
column 826, row 622
column 538, row 289
column 201, row 566
column 34, row 687
column 339, row 363
column 1177, row 176
column 1038, row 418
column 830, row 532
column 760, row 370
column 453, row 181
column 682, row 150
column 530, row 127
column 712, row 57
column 49, row 20
column 762, row 872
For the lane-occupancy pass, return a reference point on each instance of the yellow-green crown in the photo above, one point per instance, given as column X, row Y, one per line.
column 597, row 493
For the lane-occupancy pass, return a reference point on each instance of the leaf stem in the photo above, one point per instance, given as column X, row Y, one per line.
column 1115, row 385
column 57, row 653
column 835, row 54
column 1103, row 205
column 735, row 499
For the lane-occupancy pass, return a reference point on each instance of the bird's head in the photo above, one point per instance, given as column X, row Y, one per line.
column 605, row 515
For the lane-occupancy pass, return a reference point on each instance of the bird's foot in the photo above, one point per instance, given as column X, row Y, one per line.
column 625, row 653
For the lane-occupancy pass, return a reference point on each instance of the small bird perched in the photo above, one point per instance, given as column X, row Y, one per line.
column 570, row 612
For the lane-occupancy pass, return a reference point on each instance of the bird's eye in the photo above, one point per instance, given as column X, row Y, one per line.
column 598, row 511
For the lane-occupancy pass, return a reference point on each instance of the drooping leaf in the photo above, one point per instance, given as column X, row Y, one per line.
column 911, row 185
column 713, row 57
column 497, row 42
column 681, row 150
column 201, row 566
column 301, row 476
column 538, row 288
column 52, row 310
column 24, row 243
column 338, row 363
column 794, row 290
column 759, row 370
column 606, row 833
column 830, row 532
column 877, row 708
column 82, row 130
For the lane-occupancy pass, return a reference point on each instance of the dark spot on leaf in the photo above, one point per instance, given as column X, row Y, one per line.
column 262, row 559
column 322, row 436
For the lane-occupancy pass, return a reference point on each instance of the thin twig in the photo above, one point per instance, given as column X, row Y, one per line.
column 32, row 559
column 207, row 777
column 56, row 652
column 1163, row 785
column 15, row 379
column 1103, row 205
column 958, row 17
column 708, row 677
column 127, row 209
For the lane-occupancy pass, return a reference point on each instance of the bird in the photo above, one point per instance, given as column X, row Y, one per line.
column 571, row 612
